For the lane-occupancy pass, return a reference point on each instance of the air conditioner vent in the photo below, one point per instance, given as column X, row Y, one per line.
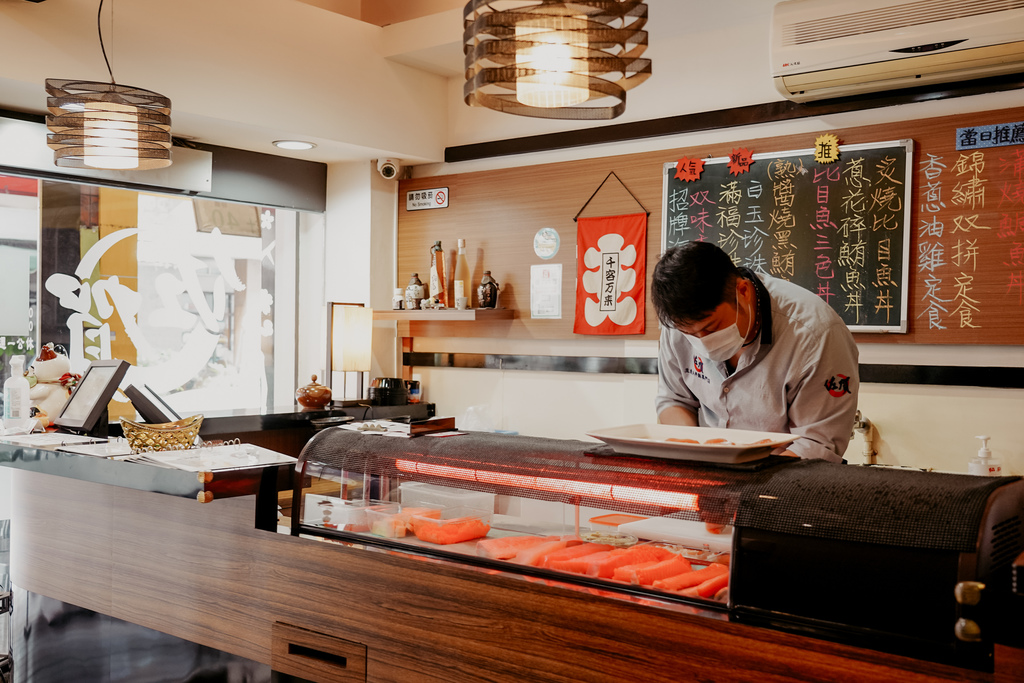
column 911, row 14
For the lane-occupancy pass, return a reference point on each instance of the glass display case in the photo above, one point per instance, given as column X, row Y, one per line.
column 879, row 558
column 544, row 507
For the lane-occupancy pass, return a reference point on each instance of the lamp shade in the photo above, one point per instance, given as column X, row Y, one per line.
column 351, row 337
column 552, row 59
column 107, row 125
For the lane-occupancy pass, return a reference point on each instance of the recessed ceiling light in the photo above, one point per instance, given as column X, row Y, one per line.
column 293, row 144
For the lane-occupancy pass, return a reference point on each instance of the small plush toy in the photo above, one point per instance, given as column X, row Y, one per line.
column 51, row 382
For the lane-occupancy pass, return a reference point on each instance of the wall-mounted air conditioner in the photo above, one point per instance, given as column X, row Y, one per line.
column 832, row 48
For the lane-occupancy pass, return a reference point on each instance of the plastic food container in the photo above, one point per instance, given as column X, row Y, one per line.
column 611, row 522
column 335, row 513
column 452, row 525
column 386, row 520
column 414, row 493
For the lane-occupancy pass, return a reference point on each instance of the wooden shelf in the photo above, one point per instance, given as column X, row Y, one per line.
column 446, row 315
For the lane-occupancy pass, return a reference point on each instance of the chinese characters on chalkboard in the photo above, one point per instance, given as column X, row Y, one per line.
column 839, row 229
column 951, row 246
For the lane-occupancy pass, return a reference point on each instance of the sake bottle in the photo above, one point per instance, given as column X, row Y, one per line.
column 460, row 279
column 438, row 275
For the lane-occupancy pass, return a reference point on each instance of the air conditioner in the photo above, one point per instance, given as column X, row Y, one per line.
column 832, row 48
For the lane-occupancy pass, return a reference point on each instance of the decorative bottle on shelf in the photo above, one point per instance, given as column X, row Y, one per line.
column 17, row 407
column 414, row 293
column 460, row 278
column 487, row 292
column 438, row 276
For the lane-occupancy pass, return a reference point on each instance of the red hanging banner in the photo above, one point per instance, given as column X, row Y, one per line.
column 611, row 273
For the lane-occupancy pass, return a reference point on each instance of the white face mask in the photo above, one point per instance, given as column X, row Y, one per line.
column 720, row 345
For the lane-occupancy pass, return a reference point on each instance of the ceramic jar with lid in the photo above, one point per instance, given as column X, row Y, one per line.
column 313, row 395
column 414, row 293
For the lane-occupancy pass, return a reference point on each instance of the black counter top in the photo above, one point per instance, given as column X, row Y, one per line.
column 216, row 424
column 284, row 417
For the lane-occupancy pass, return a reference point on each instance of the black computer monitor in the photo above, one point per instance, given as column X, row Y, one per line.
column 88, row 402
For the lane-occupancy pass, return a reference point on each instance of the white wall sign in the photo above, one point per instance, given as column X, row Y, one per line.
column 418, row 200
column 546, row 291
column 545, row 243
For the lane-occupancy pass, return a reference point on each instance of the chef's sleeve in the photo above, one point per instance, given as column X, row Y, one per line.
column 823, row 403
column 673, row 352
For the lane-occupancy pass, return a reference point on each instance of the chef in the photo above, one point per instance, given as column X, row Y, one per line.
column 744, row 350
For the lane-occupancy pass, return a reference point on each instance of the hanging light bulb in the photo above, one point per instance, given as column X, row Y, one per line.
column 553, row 59
column 554, row 52
column 107, row 125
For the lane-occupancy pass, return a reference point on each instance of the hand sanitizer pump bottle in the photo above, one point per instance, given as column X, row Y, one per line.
column 17, row 407
column 985, row 465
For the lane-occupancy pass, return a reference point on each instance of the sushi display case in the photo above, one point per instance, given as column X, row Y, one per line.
column 900, row 561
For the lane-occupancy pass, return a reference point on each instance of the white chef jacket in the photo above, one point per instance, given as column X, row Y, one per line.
column 799, row 375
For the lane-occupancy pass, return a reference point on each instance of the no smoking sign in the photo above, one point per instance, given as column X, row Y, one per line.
column 433, row 198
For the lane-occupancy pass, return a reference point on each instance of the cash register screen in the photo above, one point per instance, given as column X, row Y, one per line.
column 91, row 395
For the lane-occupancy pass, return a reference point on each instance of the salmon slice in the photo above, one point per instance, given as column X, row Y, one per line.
column 628, row 572
column 709, row 587
column 621, row 557
column 647, row 574
column 574, row 551
column 507, row 547
column 535, row 555
column 588, row 564
column 692, row 578
column 450, row 530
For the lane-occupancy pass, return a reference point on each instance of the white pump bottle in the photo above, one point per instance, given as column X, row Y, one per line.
column 985, row 465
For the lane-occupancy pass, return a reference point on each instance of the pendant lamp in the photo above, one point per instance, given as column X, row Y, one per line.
column 107, row 125
column 552, row 59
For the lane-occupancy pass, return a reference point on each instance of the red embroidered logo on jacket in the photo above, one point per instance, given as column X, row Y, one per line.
column 838, row 385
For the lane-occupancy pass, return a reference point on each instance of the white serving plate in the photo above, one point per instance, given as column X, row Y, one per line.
column 651, row 440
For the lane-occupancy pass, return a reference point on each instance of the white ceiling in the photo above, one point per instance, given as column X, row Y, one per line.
column 242, row 73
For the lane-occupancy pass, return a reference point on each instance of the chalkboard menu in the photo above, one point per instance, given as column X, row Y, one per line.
column 839, row 229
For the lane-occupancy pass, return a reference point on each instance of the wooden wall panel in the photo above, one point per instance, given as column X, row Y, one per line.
column 499, row 211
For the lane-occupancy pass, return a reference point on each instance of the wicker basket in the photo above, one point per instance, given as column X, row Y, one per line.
column 166, row 436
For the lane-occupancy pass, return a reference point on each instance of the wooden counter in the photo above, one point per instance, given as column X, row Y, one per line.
column 205, row 574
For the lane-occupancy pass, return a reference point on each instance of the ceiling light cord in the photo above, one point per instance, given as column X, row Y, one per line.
column 99, row 30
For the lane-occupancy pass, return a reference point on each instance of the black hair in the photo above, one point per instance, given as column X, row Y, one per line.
column 690, row 281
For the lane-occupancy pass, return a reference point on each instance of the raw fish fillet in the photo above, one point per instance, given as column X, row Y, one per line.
column 692, row 578
column 507, row 547
column 709, row 587
column 628, row 572
column 450, row 530
column 588, row 564
column 535, row 555
column 572, row 552
column 647, row 574
column 621, row 557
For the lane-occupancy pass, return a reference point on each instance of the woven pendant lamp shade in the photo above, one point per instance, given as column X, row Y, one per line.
column 107, row 125
column 555, row 60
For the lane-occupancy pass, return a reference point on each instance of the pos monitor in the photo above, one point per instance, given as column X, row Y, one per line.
column 88, row 403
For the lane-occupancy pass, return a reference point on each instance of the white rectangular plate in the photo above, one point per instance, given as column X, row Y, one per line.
column 652, row 440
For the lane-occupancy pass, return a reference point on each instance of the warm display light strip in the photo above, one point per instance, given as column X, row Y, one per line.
column 614, row 492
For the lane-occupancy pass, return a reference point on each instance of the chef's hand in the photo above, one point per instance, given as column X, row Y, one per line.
column 678, row 415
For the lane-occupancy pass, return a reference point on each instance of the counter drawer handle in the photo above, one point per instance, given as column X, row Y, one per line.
column 317, row 656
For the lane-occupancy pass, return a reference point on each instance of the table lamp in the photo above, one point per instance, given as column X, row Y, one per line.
column 349, row 336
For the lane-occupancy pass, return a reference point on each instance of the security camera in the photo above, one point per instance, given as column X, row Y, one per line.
column 388, row 168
